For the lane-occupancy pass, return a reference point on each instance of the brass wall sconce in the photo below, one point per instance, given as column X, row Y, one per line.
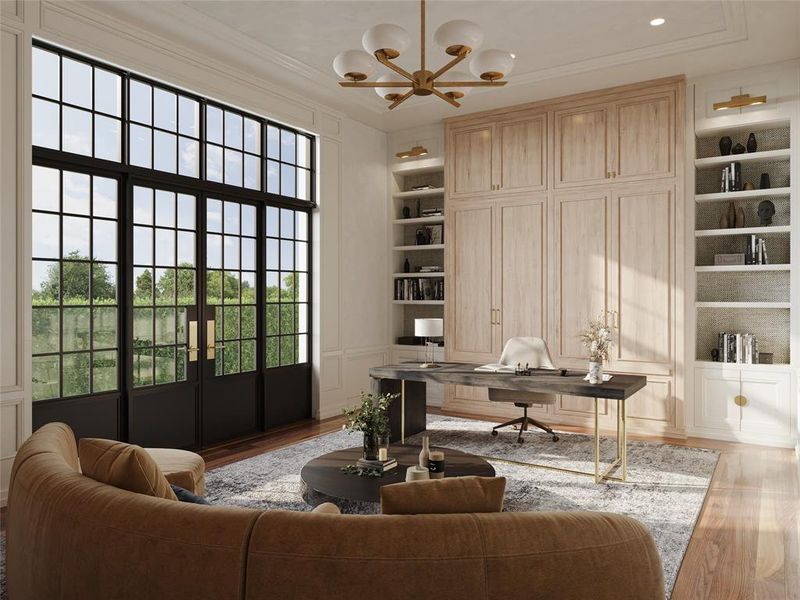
column 740, row 102
column 415, row 151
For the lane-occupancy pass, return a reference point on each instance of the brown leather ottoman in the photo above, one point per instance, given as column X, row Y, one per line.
column 182, row 468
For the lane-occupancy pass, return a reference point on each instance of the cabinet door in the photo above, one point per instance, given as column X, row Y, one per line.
column 714, row 391
column 581, row 146
column 642, row 276
column 581, row 270
column 470, row 242
column 767, row 410
column 471, row 161
column 643, row 138
column 521, row 154
column 520, row 268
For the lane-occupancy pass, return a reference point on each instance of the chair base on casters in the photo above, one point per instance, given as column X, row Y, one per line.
column 523, row 423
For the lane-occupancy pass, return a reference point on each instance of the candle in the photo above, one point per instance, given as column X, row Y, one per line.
column 383, row 454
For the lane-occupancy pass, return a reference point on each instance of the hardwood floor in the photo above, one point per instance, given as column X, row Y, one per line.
column 745, row 545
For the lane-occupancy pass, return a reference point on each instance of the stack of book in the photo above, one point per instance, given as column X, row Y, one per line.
column 731, row 178
column 739, row 348
column 756, row 251
column 432, row 212
column 377, row 465
column 420, row 288
column 430, row 269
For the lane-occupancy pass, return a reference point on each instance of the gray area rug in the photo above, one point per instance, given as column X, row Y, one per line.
column 665, row 489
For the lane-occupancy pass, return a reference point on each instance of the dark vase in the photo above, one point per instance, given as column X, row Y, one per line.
column 370, row 447
column 752, row 144
column 738, row 149
column 406, row 212
column 406, row 267
column 725, row 144
column 764, row 185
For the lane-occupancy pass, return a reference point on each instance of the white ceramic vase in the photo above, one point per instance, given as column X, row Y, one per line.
column 595, row 372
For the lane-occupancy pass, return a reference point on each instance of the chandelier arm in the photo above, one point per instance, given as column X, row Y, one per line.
column 445, row 97
column 401, row 99
column 381, row 56
column 461, row 56
column 375, row 84
column 445, row 84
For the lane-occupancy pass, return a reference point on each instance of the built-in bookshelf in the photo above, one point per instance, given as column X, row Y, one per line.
column 748, row 290
column 417, row 190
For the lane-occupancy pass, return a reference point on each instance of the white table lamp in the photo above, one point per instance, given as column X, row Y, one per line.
column 429, row 328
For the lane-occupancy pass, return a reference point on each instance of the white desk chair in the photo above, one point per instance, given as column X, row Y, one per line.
column 533, row 352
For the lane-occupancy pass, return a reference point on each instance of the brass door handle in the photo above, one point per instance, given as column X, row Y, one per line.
column 215, row 346
column 740, row 400
column 192, row 348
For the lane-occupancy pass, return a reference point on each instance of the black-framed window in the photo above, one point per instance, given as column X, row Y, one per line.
column 75, row 339
column 95, row 125
column 287, row 301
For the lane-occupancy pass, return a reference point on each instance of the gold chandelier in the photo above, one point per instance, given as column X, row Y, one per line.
column 386, row 42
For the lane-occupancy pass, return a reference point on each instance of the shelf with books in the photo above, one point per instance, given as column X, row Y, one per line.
column 419, row 247
column 421, row 302
column 755, row 157
column 412, row 275
column 743, row 195
column 743, row 304
column 740, row 268
column 743, row 230
column 423, row 193
column 711, row 364
column 419, row 220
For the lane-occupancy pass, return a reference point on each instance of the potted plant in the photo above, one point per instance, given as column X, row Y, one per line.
column 371, row 418
column 598, row 338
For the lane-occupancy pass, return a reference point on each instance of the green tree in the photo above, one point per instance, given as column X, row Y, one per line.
column 76, row 282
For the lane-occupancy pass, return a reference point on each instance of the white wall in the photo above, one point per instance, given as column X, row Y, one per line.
column 350, row 332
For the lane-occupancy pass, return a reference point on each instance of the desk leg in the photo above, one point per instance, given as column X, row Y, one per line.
column 402, row 411
column 624, row 442
column 596, row 443
column 407, row 414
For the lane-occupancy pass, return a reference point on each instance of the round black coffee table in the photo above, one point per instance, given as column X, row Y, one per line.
column 324, row 481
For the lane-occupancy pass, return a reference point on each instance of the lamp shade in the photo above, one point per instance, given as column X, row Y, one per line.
column 491, row 64
column 391, row 93
column 455, row 92
column 428, row 328
column 457, row 36
column 392, row 39
column 355, row 65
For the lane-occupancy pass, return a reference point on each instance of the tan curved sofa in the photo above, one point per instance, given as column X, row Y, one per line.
column 70, row 537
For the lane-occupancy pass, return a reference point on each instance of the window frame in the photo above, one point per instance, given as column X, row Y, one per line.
column 200, row 186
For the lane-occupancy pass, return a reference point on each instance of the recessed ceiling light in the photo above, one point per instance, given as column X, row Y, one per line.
column 513, row 55
column 658, row 21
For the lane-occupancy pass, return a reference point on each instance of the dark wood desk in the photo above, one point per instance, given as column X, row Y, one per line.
column 408, row 416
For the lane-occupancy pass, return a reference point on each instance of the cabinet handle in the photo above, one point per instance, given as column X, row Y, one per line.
column 608, row 174
column 740, row 400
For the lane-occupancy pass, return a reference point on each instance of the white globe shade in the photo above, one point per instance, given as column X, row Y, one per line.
column 455, row 92
column 391, row 93
column 456, row 36
column 491, row 64
column 392, row 39
column 355, row 65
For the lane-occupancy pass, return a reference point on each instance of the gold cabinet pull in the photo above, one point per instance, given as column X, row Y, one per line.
column 740, row 400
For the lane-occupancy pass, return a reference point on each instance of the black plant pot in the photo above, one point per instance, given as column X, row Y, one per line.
column 725, row 144
column 765, row 184
column 752, row 144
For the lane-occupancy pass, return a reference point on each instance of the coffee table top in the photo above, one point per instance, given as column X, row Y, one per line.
column 324, row 475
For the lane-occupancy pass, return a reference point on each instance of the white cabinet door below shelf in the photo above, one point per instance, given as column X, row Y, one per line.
column 767, row 410
column 714, row 393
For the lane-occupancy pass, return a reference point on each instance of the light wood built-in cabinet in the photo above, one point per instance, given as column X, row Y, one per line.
column 562, row 212
column 499, row 158
column 627, row 140
column 502, row 241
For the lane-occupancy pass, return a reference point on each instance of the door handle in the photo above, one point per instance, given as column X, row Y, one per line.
column 740, row 400
column 192, row 349
column 211, row 344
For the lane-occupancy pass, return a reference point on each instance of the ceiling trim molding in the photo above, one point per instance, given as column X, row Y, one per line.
column 116, row 26
column 735, row 30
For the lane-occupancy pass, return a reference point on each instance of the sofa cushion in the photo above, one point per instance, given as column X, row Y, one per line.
column 444, row 496
column 125, row 466
column 327, row 508
column 185, row 495
column 181, row 467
